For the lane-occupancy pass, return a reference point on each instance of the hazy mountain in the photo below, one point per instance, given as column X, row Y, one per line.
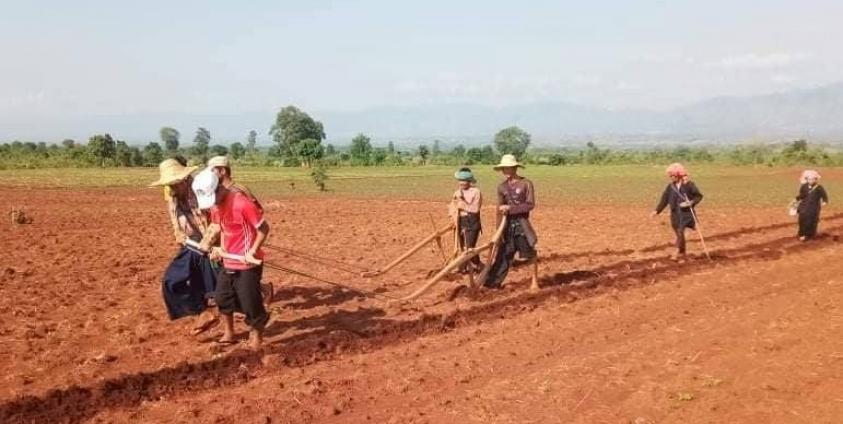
column 812, row 113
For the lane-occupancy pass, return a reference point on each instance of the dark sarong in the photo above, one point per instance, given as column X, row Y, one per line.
column 188, row 282
column 518, row 237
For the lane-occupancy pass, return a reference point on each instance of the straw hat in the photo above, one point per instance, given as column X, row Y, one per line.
column 170, row 172
column 508, row 161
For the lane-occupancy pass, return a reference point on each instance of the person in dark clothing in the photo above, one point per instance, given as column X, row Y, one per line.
column 810, row 200
column 189, row 281
column 682, row 195
column 516, row 199
column 465, row 207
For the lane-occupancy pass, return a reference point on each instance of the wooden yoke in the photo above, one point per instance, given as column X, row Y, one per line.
column 461, row 259
column 438, row 233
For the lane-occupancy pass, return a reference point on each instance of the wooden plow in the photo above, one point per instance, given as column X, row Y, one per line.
column 459, row 257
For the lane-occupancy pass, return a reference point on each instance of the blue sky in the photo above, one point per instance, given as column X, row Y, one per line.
column 89, row 58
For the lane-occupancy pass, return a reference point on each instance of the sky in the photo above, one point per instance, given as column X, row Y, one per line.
column 79, row 60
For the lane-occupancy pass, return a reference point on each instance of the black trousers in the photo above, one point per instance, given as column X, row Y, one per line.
column 469, row 232
column 240, row 291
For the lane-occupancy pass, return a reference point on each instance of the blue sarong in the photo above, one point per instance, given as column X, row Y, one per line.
column 189, row 280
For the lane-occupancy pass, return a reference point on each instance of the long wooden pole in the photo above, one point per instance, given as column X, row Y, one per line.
column 409, row 253
column 494, row 252
column 456, row 263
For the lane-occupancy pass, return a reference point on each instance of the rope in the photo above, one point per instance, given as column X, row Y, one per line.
column 271, row 265
column 328, row 262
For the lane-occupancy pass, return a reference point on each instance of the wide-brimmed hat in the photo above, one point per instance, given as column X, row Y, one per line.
column 508, row 161
column 464, row 174
column 171, row 172
column 205, row 187
column 218, row 161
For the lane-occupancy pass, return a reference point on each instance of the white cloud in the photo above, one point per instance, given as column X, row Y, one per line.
column 586, row 80
column 783, row 79
column 759, row 61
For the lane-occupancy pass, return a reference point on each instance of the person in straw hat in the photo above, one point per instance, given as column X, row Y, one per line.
column 465, row 207
column 516, row 199
column 189, row 281
column 810, row 200
column 682, row 195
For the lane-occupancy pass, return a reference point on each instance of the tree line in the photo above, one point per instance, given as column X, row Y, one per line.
column 298, row 140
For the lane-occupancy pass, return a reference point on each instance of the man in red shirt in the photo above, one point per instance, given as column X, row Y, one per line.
column 243, row 231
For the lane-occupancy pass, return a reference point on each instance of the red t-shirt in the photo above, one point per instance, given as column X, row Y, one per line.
column 239, row 218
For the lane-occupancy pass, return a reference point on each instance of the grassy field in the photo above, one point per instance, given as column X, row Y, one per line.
column 612, row 185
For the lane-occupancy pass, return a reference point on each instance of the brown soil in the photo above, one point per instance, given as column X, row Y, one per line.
column 618, row 333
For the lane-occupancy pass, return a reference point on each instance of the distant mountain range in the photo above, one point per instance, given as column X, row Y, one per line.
column 813, row 113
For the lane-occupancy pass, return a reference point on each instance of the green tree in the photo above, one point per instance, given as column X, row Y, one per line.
column 153, row 154
column 137, row 156
column 330, row 150
column 424, row 152
column 309, row 151
column 237, row 150
column 361, row 149
column 122, row 153
column 458, row 151
column 593, row 155
column 219, row 150
column 390, row 148
column 379, row 156
column 200, row 143
column 251, row 142
column 68, row 143
column 513, row 141
column 170, row 138
column 437, row 148
column 101, row 149
column 291, row 127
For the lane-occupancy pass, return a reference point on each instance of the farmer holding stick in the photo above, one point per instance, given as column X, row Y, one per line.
column 190, row 280
column 682, row 195
column 465, row 205
column 516, row 199
column 810, row 200
column 244, row 230
column 221, row 167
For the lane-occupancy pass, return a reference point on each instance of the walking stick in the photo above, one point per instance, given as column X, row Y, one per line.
column 699, row 229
